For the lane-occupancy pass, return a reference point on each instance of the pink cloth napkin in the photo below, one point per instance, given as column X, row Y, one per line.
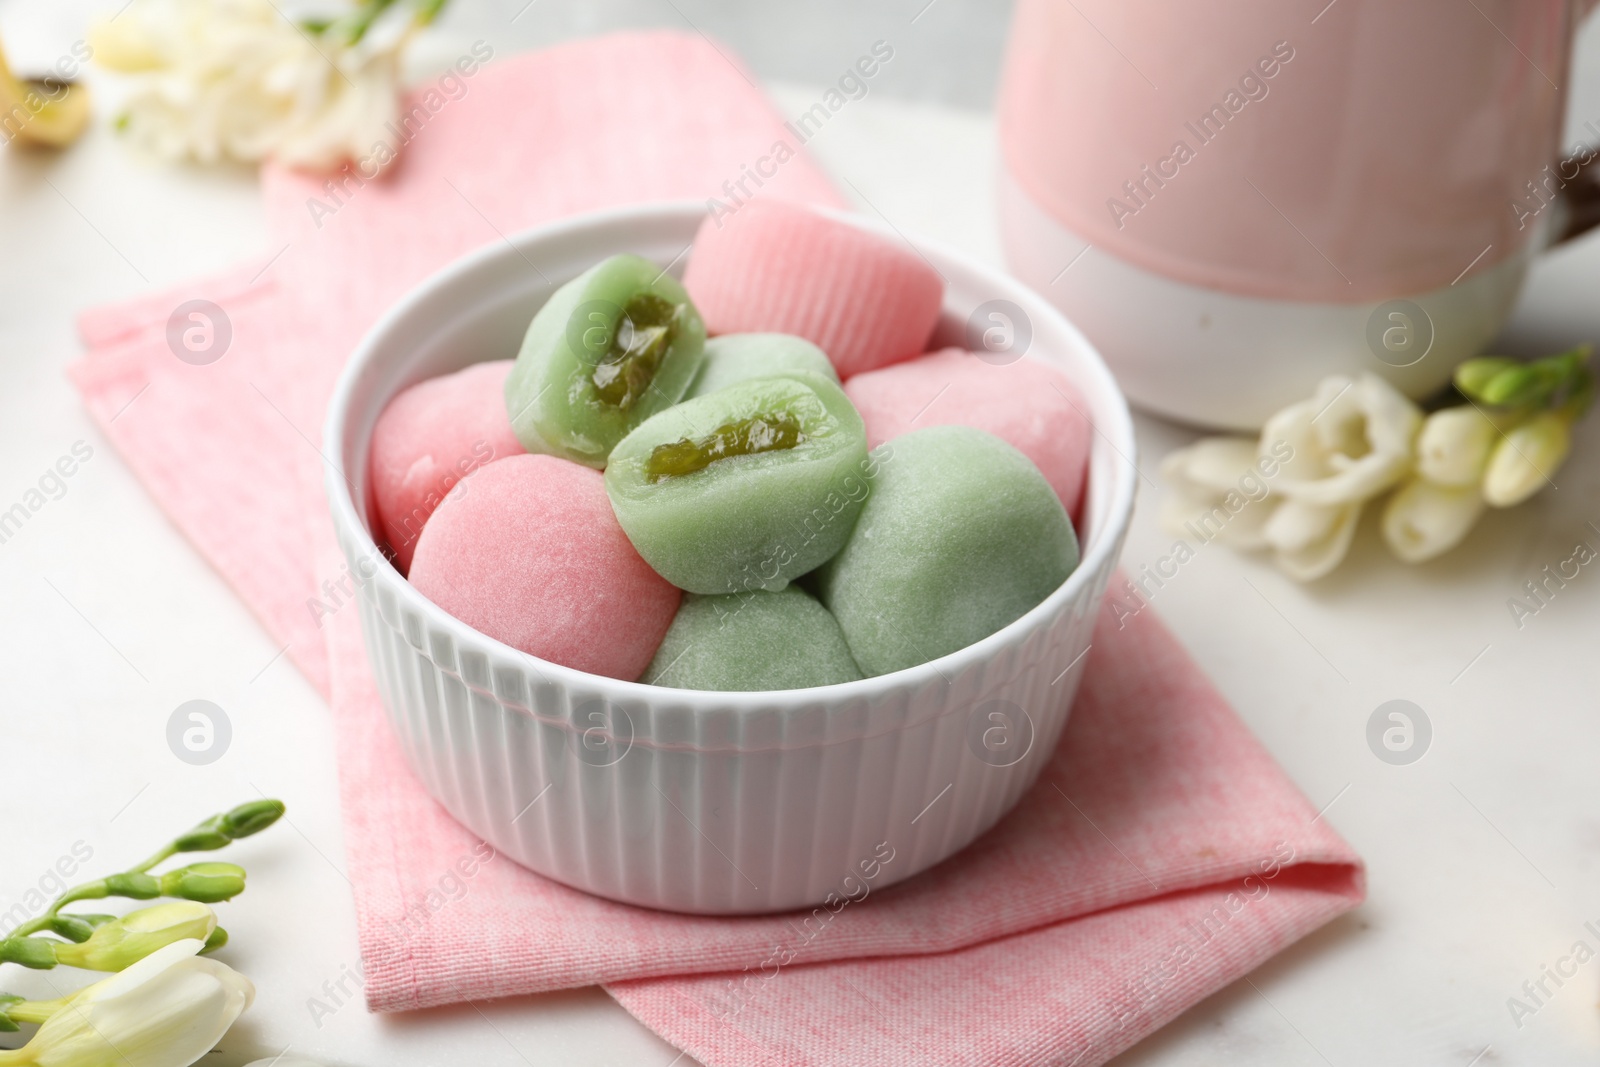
column 1162, row 855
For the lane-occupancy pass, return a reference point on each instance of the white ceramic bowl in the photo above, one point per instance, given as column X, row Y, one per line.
column 717, row 803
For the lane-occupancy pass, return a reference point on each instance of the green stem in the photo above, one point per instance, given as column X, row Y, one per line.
column 94, row 890
column 363, row 19
column 220, row 830
column 354, row 26
column 428, row 10
column 76, row 893
column 35, row 1011
column 33, row 926
column 160, row 857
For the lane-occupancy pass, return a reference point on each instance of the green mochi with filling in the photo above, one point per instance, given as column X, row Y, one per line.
column 612, row 347
column 752, row 642
column 738, row 357
column 960, row 536
column 747, row 488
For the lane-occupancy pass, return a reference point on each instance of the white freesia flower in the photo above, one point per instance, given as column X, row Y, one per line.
column 1425, row 519
column 236, row 79
column 1300, row 489
column 1352, row 440
column 1454, row 446
column 284, row 1061
column 167, row 1010
column 1525, row 458
column 1206, row 478
column 1309, row 540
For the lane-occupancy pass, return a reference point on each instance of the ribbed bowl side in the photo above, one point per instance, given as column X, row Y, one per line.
column 764, row 809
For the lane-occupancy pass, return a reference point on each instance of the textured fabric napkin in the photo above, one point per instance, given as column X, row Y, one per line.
column 1162, row 855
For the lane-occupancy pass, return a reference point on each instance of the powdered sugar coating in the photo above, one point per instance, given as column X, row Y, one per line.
column 960, row 536
column 527, row 550
column 752, row 642
column 864, row 299
column 739, row 357
column 431, row 436
column 1029, row 404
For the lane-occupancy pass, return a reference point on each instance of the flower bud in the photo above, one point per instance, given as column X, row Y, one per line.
column 1526, row 458
column 218, row 938
column 1454, row 446
column 1424, row 520
column 205, row 882
column 1474, row 374
column 206, row 837
column 252, row 818
column 1521, row 384
column 71, row 927
column 125, row 941
column 38, row 953
column 220, row 830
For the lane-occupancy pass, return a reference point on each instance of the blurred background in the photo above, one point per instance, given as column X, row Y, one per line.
column 951, row 56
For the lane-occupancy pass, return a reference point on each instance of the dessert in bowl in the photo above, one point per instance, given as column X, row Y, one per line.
column 699, row 508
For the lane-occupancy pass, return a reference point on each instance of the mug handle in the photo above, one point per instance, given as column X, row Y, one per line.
column 1577, row 194
column 1577, row 177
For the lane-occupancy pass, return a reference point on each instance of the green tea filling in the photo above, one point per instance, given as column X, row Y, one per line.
column 747, row 437
column 643, row 337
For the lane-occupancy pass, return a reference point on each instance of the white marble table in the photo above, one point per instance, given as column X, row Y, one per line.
column 1484, row 855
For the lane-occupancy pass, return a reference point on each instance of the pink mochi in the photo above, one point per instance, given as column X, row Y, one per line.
column 1030, row 405
column 528, row 551
column 773, row 267
column 430, row 437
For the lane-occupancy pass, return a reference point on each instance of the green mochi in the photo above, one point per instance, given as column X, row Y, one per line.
column 557, row 392
column 961, row 536
column 738, row 357
column 745, row 521
column 751, row 643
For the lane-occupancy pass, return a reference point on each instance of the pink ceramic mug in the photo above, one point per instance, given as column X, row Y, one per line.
column 1234, row 201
